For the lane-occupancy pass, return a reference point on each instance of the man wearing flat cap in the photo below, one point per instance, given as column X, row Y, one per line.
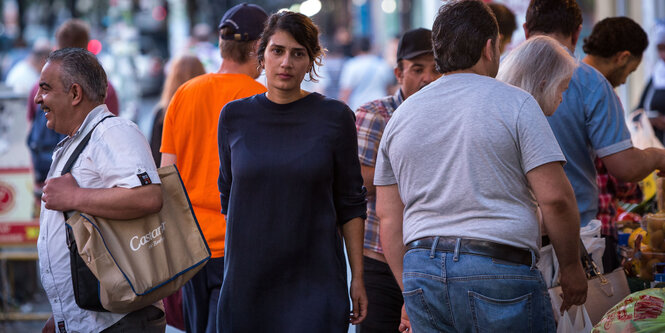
column 415, row 69
column 190, row 142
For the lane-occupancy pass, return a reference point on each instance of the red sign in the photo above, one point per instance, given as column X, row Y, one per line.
column 7, row 197
column 19, row 233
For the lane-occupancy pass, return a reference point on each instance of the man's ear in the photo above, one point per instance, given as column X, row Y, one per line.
column 488, row 50
column 526, row 31
column 77, row 94
column 621, row 58
column 399, row 74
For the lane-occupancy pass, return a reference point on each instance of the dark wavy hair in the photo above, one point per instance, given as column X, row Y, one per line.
column 616, row 34
column 459, row 34
column 553, row 16
column 303, row 30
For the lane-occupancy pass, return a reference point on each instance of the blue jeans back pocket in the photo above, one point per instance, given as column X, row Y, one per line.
column 419, row 312
column 501, row 315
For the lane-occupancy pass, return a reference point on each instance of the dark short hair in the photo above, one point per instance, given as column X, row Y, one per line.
column 81, row 67
column 616, row 34
column 459, row 34
column 234, row 50
column 504, row 17
column 553, row 16
column 73, row 33
column 301, row 28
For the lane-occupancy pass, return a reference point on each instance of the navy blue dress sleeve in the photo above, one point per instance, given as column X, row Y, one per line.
column 224, row 180
column 349, row 192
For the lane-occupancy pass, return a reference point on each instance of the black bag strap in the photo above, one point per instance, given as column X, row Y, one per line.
column 79, row 149
column 75, row 156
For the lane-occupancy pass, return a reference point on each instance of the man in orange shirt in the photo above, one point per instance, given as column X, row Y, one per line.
column 190, row 141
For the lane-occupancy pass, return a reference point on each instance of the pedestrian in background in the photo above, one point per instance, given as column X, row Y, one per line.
column 292, row 191
column 182, row 70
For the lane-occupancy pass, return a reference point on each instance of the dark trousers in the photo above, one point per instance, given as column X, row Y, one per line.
column 385, row 298
column 200, row 296
column 147, row 320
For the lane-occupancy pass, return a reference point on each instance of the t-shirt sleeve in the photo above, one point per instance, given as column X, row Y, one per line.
column 127, row 158
column 168, row 135
column 537, row 142
column 606, row 125
column 347, row 77
column 370, row 127
column 348, row 190
column 225, row 176
column 383, row 171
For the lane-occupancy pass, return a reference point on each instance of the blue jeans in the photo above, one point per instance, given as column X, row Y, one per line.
column 454, row 292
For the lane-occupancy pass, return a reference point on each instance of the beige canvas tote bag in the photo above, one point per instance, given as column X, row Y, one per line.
column 141, row 261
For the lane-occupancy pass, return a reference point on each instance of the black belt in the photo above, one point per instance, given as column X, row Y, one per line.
column 476, row 247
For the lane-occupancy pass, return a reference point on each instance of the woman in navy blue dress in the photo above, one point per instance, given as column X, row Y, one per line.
column 292, row 191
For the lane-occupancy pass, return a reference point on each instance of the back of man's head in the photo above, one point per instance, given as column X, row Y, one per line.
column 73, row 33
column 553, row 17
column 616, row 34
column 81, row 67
column 505, row 18
column 239, row 29
column 460, row 32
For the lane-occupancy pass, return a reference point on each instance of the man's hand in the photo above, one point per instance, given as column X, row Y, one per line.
column 404, row 323
column 359, row 301
column 60, row 193
column 574, row 286
column 49, row 326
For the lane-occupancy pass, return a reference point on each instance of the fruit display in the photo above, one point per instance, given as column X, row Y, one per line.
column 649, row 245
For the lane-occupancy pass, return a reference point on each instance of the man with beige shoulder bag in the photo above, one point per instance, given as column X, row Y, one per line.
column 114, row 177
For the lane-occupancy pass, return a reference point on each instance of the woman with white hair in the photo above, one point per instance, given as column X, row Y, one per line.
column 542, row 67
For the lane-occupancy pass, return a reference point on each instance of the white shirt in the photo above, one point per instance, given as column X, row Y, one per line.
column 116, row 154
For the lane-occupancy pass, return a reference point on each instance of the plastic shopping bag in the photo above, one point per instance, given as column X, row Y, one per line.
column 641, row 131
column 548, row 264
column 638, row 312
column 580, row 324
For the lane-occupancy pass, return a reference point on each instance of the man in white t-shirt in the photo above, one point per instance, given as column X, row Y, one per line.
column 365, row 77
column 462, row 167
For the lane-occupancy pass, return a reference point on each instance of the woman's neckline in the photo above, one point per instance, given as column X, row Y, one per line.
column 263, row 98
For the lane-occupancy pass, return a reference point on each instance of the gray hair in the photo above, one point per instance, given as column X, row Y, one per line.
column 81, row 67
column 538, row 66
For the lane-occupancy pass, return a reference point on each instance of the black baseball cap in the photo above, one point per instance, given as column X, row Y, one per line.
column 245, row 20
column 413, row 43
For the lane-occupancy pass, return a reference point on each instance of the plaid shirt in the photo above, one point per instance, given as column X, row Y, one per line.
column 611, row 190
column 371, row 119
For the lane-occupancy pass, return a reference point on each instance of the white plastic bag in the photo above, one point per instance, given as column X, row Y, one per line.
column 579, row 324
column 641, row 131
column 594, row 244
column 548, row 264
